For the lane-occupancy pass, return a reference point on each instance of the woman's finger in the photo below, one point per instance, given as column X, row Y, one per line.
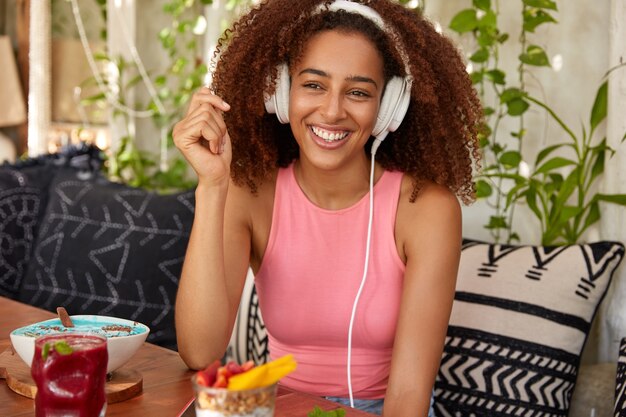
column 204, row 95
column 209, row 113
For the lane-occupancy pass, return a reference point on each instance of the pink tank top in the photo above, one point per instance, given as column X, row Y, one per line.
column 309, row 277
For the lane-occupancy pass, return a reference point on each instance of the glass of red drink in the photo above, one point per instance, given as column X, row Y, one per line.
column 70, row 373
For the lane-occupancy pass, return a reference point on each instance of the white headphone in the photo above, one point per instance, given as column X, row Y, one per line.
column 395, row 100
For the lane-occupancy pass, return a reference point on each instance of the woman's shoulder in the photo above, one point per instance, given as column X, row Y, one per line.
column 432, row 203
column 249, row 201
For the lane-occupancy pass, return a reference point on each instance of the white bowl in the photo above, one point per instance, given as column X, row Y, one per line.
column 121, row 344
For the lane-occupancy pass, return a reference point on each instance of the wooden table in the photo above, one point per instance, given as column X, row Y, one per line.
column 166, row 380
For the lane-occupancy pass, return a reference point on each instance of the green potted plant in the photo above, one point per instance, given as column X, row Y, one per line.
column 561, row 187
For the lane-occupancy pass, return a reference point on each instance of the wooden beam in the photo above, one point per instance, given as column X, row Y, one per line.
column 23, row 48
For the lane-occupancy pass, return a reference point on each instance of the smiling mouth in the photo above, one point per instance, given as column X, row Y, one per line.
column 329, row 135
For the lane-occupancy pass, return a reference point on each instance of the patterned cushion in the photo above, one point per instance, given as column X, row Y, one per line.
column 519, row 323
column 23, row 196
column 249, row 338
column 109, row 249
column 22, row 200
column 620, row 382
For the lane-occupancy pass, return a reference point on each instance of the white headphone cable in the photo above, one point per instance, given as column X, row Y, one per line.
column 375, row 146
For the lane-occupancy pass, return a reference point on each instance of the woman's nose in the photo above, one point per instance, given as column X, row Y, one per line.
column 332, row 107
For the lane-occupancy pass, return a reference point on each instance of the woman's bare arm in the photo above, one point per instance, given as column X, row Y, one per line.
column 431, row 235
column 208, row 293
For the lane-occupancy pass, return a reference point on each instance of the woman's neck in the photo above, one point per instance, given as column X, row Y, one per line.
column 335, row 189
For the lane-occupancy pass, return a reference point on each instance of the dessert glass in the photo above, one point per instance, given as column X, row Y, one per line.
column 221, row 402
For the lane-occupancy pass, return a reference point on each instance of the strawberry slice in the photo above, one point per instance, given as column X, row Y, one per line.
column 233, row 368
column 221, row 381
column 208, row 375
column 217, row 376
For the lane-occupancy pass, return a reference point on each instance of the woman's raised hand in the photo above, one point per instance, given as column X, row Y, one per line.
column 202, row 137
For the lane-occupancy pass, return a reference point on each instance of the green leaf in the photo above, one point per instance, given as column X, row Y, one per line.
column 184, row 26
column 600, row 106
column 483, row 189
column 92, row 99
column 554, row 183
column 45, row 351
column 517, row 106
column 101, row 56
column 63, row 348
column 496, row 222
column 482, row 4
column 487, row 37
column 318, row 412
column 164, row 93
column 160, row 80
column 547, row 151
column 496, row 76
column 535, row 55
column 598, row 165
column 564, row 193
column 593, row 215
column 510, row 94
column 476, row 77
column 531, row 200
column 515, row 177
column 520, row 134
column 464, row 21
column 554, row 163
column 541, row 4
column 510, row 159
column 482, row 55
column 179, row 65
column 164, row 34
column 568, row 212
column 534, row 18
column 489, row 21
column 514, row 194
column 613, row 198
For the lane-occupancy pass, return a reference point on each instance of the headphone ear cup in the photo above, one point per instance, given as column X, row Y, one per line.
column 278, row 102
column 393, row 106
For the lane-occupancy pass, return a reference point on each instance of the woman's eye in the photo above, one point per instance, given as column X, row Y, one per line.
column 311, row 85
column 359, row 93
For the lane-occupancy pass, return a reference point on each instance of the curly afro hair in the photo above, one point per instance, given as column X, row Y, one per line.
column 437, row 140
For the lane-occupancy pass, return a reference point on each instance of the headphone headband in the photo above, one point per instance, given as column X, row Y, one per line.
column 371, row 14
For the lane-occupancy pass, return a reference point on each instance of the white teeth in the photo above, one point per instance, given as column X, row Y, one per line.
column 329, row 136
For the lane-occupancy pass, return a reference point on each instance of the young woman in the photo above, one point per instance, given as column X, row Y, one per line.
column 363, row 308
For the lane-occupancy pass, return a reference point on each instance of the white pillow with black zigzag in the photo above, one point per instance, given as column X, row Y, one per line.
column 520, row 320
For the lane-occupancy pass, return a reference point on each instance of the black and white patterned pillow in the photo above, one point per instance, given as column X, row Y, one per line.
column 23, row 197
column 22, row 202
column 249, row 339
column 520, row 319
column 620, row 382
column 110, row 249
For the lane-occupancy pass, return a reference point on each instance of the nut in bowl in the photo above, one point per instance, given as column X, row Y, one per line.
column 124, row 337
column 222, row 402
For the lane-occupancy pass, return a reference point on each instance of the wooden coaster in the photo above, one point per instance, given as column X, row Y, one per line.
column 124, row 383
